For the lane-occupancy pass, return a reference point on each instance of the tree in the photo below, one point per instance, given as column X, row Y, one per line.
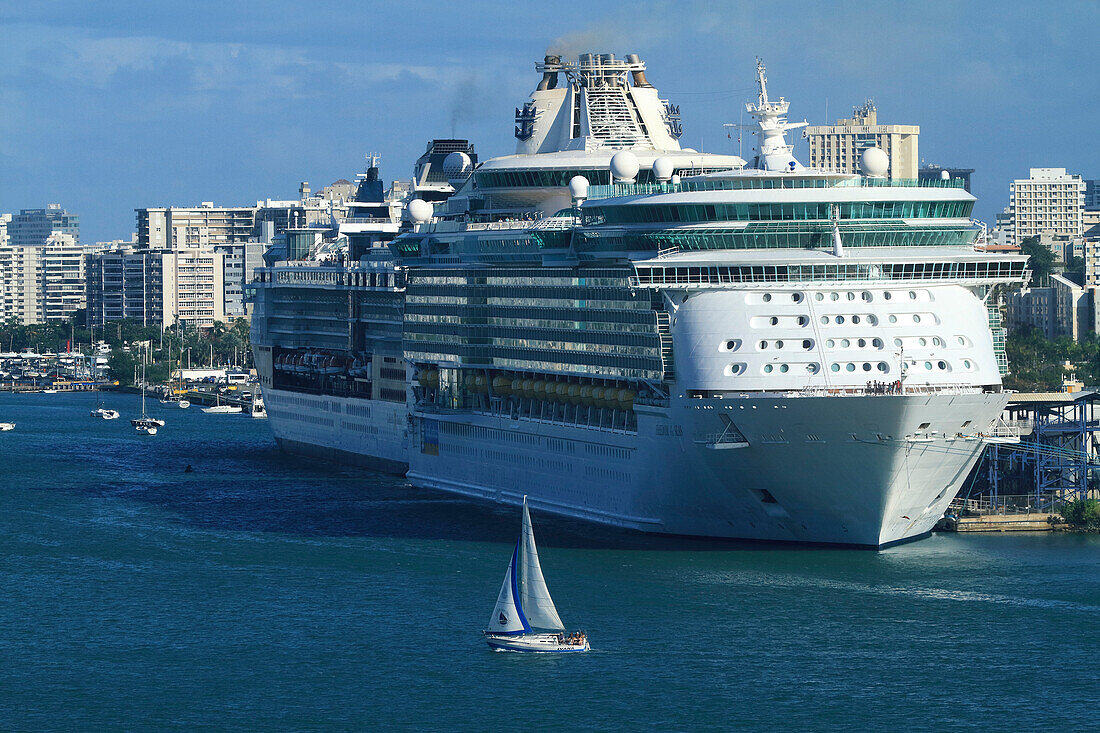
column 121, row 363
column 1040, row 260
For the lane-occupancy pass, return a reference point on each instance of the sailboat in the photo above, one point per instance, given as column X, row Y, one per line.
column 145, row 425
column 524, row 619
column 102, row 413
column 220, row 409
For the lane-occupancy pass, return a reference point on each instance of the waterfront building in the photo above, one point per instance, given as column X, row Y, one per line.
column 933, row 171
column 125, row 283
column 32, row 227
column 239, row 263
column 1048, row 200
column 43, row 282
column 839, row 147
column 175, row 227
column 5, row 219
column 1063, row 308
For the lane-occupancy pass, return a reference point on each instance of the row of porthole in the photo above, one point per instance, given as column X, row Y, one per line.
column 936, row 341
column 807, row 344
column 870, row 320
column 866, row 296
column 859, row 343
column 813, row 367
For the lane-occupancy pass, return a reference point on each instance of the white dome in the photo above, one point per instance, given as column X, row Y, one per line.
column 578, row 187
column 456, row 165
column 874, row 162
column 420, row 211
column 663, row 169
column 624, row 167
column 675, row 180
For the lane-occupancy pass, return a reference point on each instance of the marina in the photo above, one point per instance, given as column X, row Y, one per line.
column 138, row 591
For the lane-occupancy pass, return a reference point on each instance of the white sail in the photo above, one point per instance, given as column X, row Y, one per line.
column 535, row 601
column 506, row 618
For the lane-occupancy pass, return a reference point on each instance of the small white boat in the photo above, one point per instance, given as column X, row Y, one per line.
column 525, row 619
column 49, row 391
column 258, row 410
column 219, row 409
column 102, row 413
column 6, row 426
column 146, row 429
column 145, row 425
column 184, row 404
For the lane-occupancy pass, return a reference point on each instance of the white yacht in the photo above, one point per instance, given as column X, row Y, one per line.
column 654, row 338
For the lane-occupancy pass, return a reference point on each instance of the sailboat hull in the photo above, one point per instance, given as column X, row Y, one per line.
column 532, row 643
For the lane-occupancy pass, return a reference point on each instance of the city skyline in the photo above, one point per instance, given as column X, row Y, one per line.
column 111, row 109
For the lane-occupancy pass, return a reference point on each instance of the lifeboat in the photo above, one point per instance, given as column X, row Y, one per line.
column 561, row 391
column 626, row 398
column 502, row 386
column 529, row 388
column 539, row 389
column 481, row 385
column 586, row 394
column 574, row 394
column 517, row 387
column 428, row 378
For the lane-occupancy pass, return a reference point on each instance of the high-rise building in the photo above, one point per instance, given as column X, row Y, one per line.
column 193, row 286
column 43, row 282
column 125, row 283
column 34, row 226
column 239, row 263
column 5, row 219
column 1049, row 200
column 176, row 227
column 838, row 147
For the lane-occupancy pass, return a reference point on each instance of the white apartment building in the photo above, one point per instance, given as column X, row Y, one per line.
column 42, row 282
column 1049, row 200
column 193, row 286
column 838, row 147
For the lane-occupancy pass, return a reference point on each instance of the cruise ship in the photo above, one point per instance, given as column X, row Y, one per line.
column 646, row 336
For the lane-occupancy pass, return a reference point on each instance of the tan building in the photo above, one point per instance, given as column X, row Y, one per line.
column 838, row 147
column 176, row 227
column 193, row 286
column 43, row 282
column 1050, row 201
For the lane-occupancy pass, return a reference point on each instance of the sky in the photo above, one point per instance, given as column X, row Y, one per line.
column 109, row 106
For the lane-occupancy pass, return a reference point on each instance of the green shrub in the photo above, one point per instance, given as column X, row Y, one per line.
column 1082, row 514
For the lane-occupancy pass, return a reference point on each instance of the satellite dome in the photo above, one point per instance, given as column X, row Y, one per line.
column 624, row 167
column 456, row 165
column 420, row 211
column 945, row 175
column 663, row 169
column 874, row 162
column 578, row 187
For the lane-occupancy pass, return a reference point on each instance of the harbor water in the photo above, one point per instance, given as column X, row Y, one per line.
column 260, row 591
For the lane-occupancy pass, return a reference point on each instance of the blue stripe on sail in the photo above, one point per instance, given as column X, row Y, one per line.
column 515, row 588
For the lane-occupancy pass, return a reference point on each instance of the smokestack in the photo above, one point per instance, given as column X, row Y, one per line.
column 549, row 78
column 639, row 75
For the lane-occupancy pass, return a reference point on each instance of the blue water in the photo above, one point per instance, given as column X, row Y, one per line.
column 267, row 592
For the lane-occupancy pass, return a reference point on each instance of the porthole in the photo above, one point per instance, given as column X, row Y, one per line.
column 923, row 342
column 830, row 343
column 796, row 297
column 834, row 296
column 928, row 365
column 835, row 367
column 866, row 297
column 779, row 344
column 767, row 297
column 941, row 364
column 733, row 370
column 866, row 366
column 883, row 367
column 937, row 341
column 877, row 343
column 873, row 320
column 855, row 319
column 862, row 343
column 967, row 364
column 851, row 296
column 893, row 319
column 783, row 368
column 840, row 319
column 763, row 345
column 886, row 295
column 803, row 320
column 807, row 344
column 812, row 368
column 825, row 319
column 850, row 367
column 768, row 368
column 912, row 295
column 845, row 343
column 897, row 342
column 733, row 345
column 916, row 318
column 819, row 297
column 961, row 340
column 774, row 321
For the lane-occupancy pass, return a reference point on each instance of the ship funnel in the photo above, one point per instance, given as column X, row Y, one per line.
column 639, row 74
column 549, row 78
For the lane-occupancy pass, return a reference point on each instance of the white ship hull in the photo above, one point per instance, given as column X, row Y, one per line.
column 835, row 470
column 350, row 430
